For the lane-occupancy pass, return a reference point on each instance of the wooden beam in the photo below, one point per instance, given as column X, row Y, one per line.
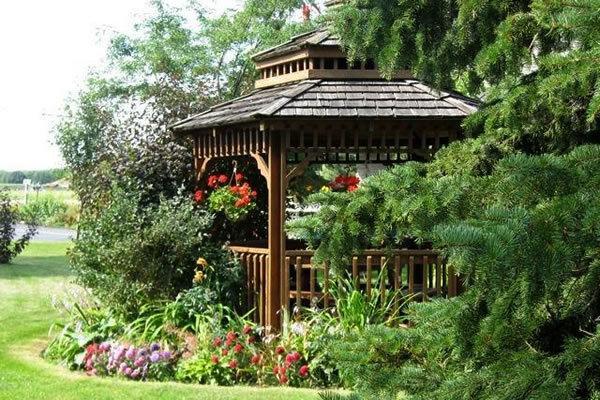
column 276, row 240
column 201, row 166
column 262, row 167
column 299, row 169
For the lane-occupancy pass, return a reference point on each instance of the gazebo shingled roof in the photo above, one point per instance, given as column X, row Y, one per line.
column 311, row 104
column 336, row 98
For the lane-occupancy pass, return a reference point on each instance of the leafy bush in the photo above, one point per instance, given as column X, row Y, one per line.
column 10, row 248
column 49, row 210
column 131, row 256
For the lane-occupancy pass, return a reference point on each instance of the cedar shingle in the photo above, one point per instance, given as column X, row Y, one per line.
column 335, row 99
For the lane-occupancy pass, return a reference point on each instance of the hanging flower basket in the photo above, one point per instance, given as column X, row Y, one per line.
column 233, row 197
column 344, row 183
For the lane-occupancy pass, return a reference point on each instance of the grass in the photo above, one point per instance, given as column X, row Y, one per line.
column 25, row 317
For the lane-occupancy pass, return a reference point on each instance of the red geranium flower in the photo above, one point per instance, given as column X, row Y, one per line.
column 279, row 350
column 255, row 360
column 223, row 179
column 231, row 335
column 247, row 330
column 214, row 359
column 217, row 342
column 251, row 339
column 276, row 369
column 233, row 364
column 238, row 348
column 224, row 352
column 212, row 181
column 239, row 177
column 199, row 196
column 304, row 370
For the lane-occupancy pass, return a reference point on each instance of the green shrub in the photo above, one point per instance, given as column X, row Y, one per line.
column 10, row 248
column 131, row 257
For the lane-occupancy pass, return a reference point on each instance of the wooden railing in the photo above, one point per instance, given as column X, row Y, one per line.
column 419, row 274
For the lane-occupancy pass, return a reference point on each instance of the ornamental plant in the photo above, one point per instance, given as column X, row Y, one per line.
column 233, row 197
column 9, row 247
column 344, row 183
column 248, row 356
column 136, row 363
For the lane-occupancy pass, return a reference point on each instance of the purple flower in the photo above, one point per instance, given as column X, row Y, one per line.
column 131, row 353
column 123, row 367
column 104, row 346
column 128, row 371
column 166, row 355
column 155, row 347
column 140, row 361
column 155, row 357
column 135, row 374
column 143, row 352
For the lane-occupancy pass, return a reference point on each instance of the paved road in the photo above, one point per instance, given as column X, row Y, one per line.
column 49, row 234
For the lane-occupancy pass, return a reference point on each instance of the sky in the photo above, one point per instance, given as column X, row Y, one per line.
column 47, row 48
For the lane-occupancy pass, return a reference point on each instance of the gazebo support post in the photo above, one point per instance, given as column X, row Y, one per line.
column 277, row 193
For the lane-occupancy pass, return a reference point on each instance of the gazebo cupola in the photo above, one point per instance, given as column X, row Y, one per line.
column 314, row 55
column 311, row 105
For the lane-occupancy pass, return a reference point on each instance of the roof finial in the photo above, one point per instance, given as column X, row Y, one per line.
column 306, row 12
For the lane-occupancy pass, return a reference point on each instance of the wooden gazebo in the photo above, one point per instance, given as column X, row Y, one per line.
column 311, row 105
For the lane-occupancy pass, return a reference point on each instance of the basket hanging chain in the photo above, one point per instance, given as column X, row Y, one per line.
column 232, row 179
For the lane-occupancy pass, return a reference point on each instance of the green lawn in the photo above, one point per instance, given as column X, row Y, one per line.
column 25, row 317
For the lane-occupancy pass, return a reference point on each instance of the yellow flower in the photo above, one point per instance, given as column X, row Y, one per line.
column 309, row 188
column 325, row 189
column 199, row 277
column 202, row 262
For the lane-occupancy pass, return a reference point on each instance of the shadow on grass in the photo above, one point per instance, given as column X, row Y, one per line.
column 36, row 267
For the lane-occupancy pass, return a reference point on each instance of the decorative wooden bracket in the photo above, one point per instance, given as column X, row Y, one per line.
column 201, row 165
column 262, row 166
column 299, row 169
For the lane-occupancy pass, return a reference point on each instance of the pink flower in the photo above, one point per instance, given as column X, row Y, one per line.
column 304, row 370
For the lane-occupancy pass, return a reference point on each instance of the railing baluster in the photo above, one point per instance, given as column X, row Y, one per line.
column 298, row 281
column 312, row 280
column 285, row 297
column 425, row 277
column 355, row 277
column 438, row 276
column 255, row 287
column 383, row 277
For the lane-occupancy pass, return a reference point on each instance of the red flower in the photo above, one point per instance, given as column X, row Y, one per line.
column 217, row 342
column 233, row 364
column 283, row 379
column 199, row 196
column 303, row 372
column 255, row 360
column 239, row 177
column 279, row 350
column 251, row 339
column 276, row 369
column 253, row 194
column 223, row 179
column 352, row 188
column 247, row 330
column 212, row 181
column 238, row 348
column 224, row 352
column 214, row 359
column 293, row 357
column 231, row 335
